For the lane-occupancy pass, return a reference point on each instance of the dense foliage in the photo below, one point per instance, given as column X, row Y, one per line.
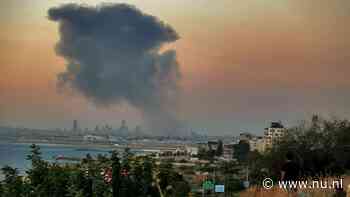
column 130, row 176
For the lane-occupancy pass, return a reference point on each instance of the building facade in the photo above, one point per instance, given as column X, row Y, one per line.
column 257, row 143
column 228, row 151
column 273, row 134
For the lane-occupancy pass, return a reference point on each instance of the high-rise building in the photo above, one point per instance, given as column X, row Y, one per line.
column 75, row 125
column 273, row 133
column 124, row 129
column 123, row 124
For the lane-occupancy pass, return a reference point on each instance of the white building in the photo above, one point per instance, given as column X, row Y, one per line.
column 245, row 136
column 192, row 150
column 257, row 143
column 273, row 134
column 93, row 138
column 228, row 151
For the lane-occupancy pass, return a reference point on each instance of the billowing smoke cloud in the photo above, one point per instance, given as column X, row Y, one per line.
column 113, row 55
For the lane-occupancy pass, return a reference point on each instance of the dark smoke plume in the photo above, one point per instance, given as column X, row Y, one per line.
column 113, row 55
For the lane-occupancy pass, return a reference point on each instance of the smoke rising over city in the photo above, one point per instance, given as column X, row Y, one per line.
column 113, row 56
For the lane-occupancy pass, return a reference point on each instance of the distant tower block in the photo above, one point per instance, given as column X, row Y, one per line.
column 75, row 125
column 123, row 124
column 124, row 130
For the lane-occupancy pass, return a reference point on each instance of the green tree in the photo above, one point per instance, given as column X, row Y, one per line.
column 115, row 174
column 181, row 188
column 229, row 168
column 77, row 184
column 38, row 174
column 206, row 154
column 220, row 148
column 233, row 184
column 137, row 174
column 144, row 175
column 241, row 151
column 127, row 183
column 172, row 183
column 56, row 182
column 102, row 158
column 13, row 185
column 1, row 189
column 148, row 171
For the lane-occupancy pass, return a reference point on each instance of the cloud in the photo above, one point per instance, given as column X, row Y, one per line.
column 113, row 56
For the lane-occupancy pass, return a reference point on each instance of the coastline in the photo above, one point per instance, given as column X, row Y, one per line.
column 69, row 145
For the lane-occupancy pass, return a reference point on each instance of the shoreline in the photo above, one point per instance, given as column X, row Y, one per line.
column 87, row 146
column 138, row 147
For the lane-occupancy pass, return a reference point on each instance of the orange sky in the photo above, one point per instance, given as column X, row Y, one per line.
column 248, row 62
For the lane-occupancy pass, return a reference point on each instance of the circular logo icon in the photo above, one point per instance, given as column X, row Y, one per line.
column 267, row 183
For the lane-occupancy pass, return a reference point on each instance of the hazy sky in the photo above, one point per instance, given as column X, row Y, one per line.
column 244, row 63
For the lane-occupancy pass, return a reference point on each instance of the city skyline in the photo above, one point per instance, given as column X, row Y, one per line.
column 243, row 64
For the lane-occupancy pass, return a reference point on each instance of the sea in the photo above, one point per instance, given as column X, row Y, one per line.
column 15, row 155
